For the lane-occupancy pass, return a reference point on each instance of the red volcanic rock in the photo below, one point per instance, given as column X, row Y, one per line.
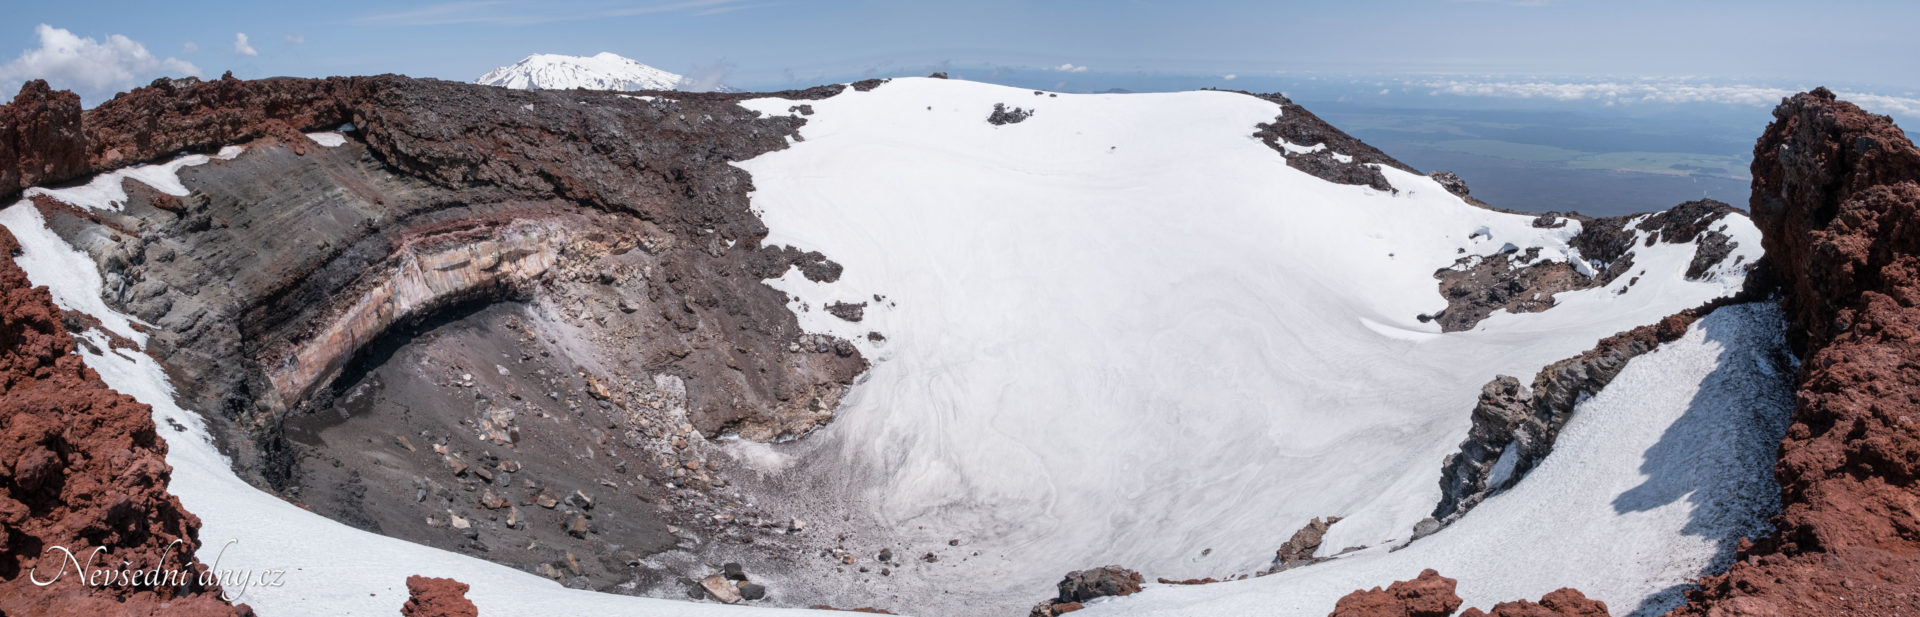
column 1558, row 603
column 81, row 467
column 1428, row 595
column 437, row 597
column 40, row 139
column 1836, row 194
column 45, row 138
column 172, row 115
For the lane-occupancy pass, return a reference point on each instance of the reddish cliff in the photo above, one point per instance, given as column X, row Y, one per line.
column 81, row 466
column 1836, row 193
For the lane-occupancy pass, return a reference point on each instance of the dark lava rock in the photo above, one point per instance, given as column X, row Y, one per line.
column 849, row 312
column 753, row 591
column 1084, row 585
column 1450, row 181
column 1299, row 550
column 1003, row 116
column 733, row 571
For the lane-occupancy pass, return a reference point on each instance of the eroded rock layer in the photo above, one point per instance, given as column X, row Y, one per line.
column 589, row 255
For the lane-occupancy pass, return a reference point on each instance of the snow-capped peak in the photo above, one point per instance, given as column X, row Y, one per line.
column 603, row 71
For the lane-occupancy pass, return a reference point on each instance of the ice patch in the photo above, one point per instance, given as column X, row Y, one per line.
column 330, row 140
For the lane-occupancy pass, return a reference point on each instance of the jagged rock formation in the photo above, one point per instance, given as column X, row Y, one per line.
column 1002, row 115
column 81, row 467
column 1836, row 193
column 1514, row 427
column 1428, row 595
column 1514, row 281
column 1432, row 595
column 1339, row 157
column 1561, row 602
column 437, row 597
column 1299, row 550
column 1080, row 586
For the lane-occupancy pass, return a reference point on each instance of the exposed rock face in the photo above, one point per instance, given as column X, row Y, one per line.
column 280, row 284
column 1514, row 281
column 40, row 138
column 1080, row 586
column 1514, row 427
column 1836, row 193
column 437, row 597
column 81, row 466
column 1428, row 595
column 1300, row 127
column 1450, row 181
column 1561, row 602
column 1299, row 550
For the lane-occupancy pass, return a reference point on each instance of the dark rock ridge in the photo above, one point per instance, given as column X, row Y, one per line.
column 1515, row 427
column 1836, row 194
column 81, row 466
column 1300, row 127
column 281, row 284
column 1476, row 287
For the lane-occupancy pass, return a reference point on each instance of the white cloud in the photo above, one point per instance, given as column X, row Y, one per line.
column 1228, row 76
column 241, row 46
column 1385, row 91
column 93, row 69
column 190, row 47
column 296, row 39
column 1659, row 91
column 1070, row 68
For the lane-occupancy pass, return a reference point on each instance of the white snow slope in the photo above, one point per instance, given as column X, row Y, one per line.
column 1123, row 331
column 603, row 71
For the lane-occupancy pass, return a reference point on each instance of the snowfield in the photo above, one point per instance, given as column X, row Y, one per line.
column 1124, row 332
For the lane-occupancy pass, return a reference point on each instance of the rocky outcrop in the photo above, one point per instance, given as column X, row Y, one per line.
column 1515, row 427
column 82, row 468
column 437, row 597
column 1561, row 602
column 1299, row 550
column 1428, row 595
column 1080, row 586
column 1836, row 194
column 1341, row 158
column 40, row 139
column 1517, row 282
column 1432, row 595
column 1002, row 115
column 282, row 282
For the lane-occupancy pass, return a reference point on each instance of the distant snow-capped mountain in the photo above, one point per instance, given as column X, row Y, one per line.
column 604, row 71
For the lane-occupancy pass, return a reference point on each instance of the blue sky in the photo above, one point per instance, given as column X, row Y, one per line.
column 765, row 44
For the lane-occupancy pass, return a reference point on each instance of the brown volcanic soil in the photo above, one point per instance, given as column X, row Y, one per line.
column 81, row 466
column 1837, row 198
